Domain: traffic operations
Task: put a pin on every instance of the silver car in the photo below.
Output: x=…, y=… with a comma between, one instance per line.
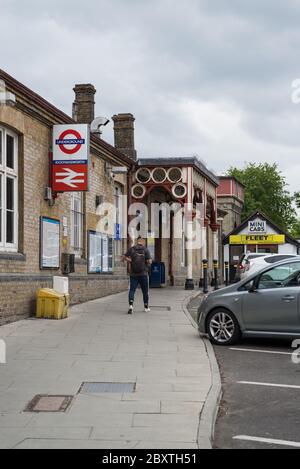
x=266, y=304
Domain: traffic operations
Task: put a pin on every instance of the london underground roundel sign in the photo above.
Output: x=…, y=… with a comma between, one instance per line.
x=70, y=145
x=70, y=142
x=70, y=158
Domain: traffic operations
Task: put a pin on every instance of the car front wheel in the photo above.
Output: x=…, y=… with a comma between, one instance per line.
x=222, y=327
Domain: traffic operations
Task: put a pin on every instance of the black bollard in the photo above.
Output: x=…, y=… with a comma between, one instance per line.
x=226, y=273
x=216, y=266
x=205, y=279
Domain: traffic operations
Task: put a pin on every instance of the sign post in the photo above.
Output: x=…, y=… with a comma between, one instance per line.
x=71, y=149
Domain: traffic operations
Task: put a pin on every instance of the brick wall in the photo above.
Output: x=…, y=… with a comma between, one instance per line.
x=18, y=294
x=20, y=274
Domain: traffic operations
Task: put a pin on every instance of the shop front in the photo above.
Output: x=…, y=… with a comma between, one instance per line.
x=257, y=234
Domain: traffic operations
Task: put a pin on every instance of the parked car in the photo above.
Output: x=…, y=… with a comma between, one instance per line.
x=266, y=304
x=255, y=264
x=244, y=261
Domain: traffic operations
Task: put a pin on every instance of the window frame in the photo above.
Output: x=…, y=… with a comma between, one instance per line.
x=9, y=173
x=287, y=265
x=109, y=262
x=118, y=204
x=255, y=281
x=77, y=250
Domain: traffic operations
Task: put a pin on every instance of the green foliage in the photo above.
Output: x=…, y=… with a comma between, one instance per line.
x=295, y=231
x=297, y=199
x=266, y=190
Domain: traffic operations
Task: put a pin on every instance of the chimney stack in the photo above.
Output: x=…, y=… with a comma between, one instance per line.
x=84, y=104
x=124, y=134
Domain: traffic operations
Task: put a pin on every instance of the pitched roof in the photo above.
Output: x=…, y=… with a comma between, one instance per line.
x=259, y=213
x=59, y=115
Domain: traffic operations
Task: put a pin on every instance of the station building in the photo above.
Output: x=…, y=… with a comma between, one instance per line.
x=186, y=182
x=230, y=193
x=27, y=205
x=230, y=201
x=182, y=181
x=26, y=125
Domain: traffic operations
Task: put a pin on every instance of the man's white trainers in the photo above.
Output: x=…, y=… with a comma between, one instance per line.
x=130, y=310
x=147, y=309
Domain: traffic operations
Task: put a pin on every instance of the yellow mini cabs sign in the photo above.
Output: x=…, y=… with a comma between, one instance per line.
x=257, y=239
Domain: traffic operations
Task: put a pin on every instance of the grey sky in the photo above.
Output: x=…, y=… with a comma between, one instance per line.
x=205, y=77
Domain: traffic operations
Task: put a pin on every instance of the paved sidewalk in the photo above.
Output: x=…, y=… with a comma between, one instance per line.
x=160, y=351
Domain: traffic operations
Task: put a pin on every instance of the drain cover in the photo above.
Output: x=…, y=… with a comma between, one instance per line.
x=45, y=403
x=106, y=387
x=161, y=308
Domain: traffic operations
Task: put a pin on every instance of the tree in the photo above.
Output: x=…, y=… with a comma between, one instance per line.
x=296, y=228
x=295, y=231
x=297, y=199
x=266, y=190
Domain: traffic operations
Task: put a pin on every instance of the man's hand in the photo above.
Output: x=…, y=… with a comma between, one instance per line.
x=127, y=259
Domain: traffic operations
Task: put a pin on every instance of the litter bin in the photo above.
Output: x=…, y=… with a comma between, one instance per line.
x=157, y=275
x=51, y=305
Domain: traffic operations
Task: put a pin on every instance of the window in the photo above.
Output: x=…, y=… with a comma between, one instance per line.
x=76, y=223
x=100, y=253
x=253, y=256
x=285, y=275
x=10, y=160
x=247, y=286
x=274, y=259
x=268, y=249
x=8, y=190
x=118, y=224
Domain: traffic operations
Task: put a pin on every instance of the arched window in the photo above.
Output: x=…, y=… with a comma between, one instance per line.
x=8, y=190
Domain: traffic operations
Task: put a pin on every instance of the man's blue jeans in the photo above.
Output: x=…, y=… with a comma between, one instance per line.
x=143, y=282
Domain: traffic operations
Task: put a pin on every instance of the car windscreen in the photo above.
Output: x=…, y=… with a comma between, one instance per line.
x=254, y=256
x=273, y=259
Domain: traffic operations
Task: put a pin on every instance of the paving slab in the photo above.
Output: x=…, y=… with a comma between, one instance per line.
x=39, y=443
x=161, y=352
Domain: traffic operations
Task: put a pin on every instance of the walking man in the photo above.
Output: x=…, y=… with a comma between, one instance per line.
x=139, y=260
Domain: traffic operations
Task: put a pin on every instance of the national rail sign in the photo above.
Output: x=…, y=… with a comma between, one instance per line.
x=69, y=178
x=71, y=148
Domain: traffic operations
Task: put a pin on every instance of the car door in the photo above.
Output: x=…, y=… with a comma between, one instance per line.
x=274, y=305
